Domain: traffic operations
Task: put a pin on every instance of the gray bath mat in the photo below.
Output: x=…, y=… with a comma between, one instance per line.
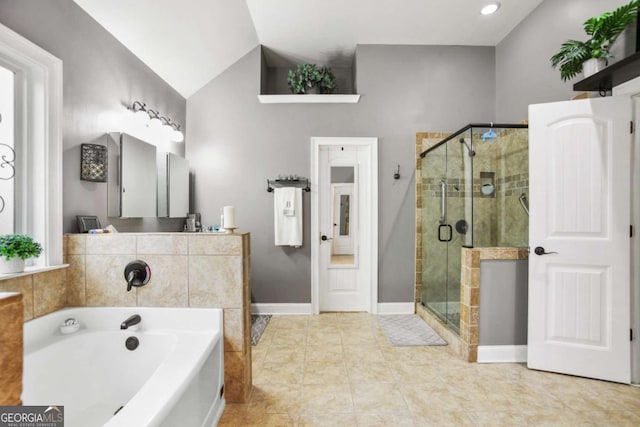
x=408, y=330
x=258, y=323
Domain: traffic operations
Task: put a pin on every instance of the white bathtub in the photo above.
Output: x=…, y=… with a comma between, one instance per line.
x=174, y=377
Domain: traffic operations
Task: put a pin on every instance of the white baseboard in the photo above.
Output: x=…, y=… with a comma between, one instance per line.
x=396, y=308
x=502, y=353
x=280, y=308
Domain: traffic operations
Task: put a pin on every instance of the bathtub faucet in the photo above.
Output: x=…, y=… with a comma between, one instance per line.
x=133, y=320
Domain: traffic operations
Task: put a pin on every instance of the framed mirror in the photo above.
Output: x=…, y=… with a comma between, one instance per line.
x=344, y=216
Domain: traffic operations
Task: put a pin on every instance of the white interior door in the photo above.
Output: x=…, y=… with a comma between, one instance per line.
x=580, y=216
x=344, y=279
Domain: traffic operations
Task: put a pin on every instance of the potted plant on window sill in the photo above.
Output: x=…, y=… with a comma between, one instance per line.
x=14, y=250
x=590, y=56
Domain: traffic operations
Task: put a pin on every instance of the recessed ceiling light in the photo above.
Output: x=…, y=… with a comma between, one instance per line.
x=490, y=8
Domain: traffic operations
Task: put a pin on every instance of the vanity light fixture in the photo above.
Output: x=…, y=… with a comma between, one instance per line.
x=490, y=8
x=153, y=119
x=177, y=135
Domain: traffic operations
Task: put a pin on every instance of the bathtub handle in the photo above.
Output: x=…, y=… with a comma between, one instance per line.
x=137, y=273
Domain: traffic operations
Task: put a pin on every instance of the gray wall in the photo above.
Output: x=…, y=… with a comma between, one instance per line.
x=523, y=71
x=101, y=77
x=236, y=144
x=503, y=302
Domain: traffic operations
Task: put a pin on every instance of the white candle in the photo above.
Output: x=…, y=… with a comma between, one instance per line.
x=229, y=214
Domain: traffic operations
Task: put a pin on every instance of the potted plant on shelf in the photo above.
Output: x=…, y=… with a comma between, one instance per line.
x=591, y=56
x=309, y=78
x=327, y=81
x=14, y=250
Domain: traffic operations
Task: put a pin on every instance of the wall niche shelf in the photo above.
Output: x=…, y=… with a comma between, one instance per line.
x=309, y=99
x=613, y=75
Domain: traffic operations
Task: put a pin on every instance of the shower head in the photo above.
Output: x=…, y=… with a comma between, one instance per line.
x=489, y=135
x=471, y=152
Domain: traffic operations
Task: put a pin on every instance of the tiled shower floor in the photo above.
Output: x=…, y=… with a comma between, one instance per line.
x=339, y=370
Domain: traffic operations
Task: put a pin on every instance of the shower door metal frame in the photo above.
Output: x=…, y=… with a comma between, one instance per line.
x=469, y=126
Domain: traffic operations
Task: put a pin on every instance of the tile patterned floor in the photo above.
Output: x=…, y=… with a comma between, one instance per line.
x=339, y=370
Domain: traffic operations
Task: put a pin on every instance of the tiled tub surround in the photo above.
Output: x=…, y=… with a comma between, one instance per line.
x=187, y=270
x=11, y=319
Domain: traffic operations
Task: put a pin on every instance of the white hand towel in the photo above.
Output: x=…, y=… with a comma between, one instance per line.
x=287, y=217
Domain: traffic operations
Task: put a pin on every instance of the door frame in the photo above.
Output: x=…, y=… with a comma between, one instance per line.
x=372, y=144
x=632, y=89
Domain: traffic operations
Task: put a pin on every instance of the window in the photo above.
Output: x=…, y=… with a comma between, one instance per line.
x=37, y=143
x=7, y=152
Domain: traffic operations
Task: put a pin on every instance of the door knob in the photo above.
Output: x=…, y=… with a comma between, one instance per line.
x=539, y=250
x=325, y=238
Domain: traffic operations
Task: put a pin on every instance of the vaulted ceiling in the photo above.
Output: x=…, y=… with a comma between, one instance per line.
x=190, y=42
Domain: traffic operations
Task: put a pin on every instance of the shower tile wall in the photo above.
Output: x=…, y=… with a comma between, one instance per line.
x=499, y=220
x=513, y=180
x=423, y=141
x=427, y=216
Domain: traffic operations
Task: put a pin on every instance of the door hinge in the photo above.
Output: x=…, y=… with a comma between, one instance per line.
x=630, y=334
x=631, y=231
x=630, y=127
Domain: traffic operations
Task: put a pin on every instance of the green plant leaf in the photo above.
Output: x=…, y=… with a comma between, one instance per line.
x=604, y=30
x=20, y=245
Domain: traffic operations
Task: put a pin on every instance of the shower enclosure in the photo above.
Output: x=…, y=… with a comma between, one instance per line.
x=475, y=186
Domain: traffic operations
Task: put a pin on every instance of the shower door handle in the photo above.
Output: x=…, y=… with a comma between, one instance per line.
x=443, y=201
x=446, y=227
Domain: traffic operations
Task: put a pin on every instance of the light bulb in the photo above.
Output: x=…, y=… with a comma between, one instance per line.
x=177, y=136
x=490, y=8
x=142, y=116
x=167, y=130
x=155, y=123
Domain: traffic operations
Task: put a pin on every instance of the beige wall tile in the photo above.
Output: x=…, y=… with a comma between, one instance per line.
x=76, y=244
x=76, y=293
x=168, y=286
x=233, y=329
x=215, y=281
x=11, y=318
x=105, y=284
x=213, y=244
x=11, y=351
x=24, y=285
x=111, y=244
x=49, y=292
x=162, y=244
x=234, y=376
x=474, y=297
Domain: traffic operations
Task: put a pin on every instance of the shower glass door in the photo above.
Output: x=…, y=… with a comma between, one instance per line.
x=446, y=225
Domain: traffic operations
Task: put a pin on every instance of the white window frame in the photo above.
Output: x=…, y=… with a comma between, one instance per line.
x=38, y=140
